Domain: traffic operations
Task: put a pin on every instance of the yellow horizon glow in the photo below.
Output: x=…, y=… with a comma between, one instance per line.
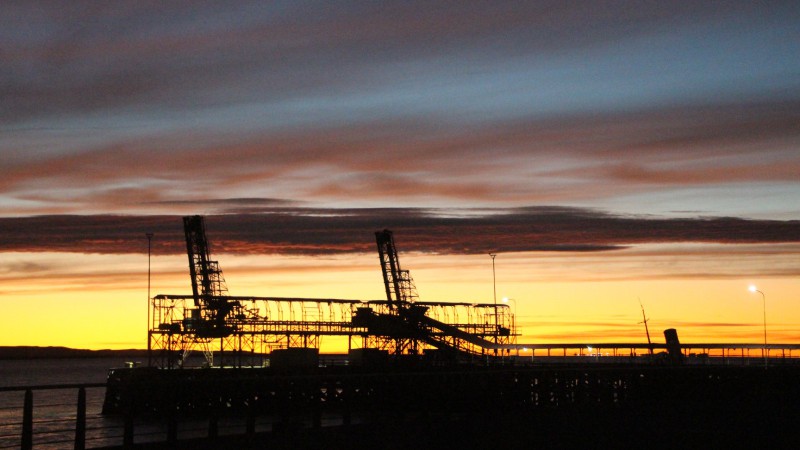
x=99, y=301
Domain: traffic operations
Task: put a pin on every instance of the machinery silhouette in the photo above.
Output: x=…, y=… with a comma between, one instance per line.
x=246, y=331
x=426, y=374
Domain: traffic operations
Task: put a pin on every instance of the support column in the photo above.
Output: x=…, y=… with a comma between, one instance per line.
x=27, y=421
x=80, y=420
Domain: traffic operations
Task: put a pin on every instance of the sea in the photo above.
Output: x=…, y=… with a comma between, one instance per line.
x=55, y=409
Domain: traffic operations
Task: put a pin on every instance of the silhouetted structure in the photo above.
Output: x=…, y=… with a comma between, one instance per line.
x=673, y=346
x=243, y=331
x=426, y=367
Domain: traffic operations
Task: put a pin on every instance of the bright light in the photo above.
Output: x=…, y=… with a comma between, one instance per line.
x=505, y=299
x=754, y=289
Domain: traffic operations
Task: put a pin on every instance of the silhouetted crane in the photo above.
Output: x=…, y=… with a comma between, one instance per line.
x=208, y=285
x=400, y=289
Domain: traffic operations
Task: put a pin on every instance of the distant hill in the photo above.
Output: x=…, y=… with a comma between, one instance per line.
x=27, y=352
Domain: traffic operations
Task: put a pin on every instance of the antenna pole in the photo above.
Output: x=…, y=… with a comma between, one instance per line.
x=149, y=244
x=494, y=291
x=644, y=321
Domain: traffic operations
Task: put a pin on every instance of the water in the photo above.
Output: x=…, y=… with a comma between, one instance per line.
x=54, y=410
x=56, y=371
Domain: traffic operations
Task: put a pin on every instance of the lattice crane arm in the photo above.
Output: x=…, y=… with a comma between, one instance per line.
x=208, y=285
x=400, y=289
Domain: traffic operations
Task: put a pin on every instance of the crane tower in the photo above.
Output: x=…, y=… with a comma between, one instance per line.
x=208, y=285
x=244, y=330
x=400, y=288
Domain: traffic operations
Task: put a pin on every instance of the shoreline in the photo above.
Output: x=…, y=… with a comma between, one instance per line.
x=57, y=352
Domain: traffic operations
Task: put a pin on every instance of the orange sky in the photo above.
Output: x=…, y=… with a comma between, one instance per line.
x=607, y=154
x=98, y=301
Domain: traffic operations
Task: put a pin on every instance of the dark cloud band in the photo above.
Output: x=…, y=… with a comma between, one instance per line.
x=309, y=231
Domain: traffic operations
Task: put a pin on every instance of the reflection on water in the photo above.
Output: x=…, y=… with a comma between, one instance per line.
x=56, y=371
x=54, y=410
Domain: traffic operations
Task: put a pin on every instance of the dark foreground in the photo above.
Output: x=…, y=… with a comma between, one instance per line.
x=701, y=428
x=535, y=407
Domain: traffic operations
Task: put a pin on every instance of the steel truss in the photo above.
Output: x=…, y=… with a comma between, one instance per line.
x=276, y=323
x=244, y=330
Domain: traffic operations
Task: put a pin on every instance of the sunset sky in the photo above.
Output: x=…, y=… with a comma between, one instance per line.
x=609, y=152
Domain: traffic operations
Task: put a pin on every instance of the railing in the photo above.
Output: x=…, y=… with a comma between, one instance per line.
x=59, y=418
x=735, y=353
x=67, y=415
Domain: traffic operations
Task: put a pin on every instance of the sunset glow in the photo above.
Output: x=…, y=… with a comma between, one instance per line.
x=610, y=155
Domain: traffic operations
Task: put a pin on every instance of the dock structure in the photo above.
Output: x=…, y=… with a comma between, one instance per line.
x=412, y=365
x=275, y=323
x=625, y=406
x=245, y=331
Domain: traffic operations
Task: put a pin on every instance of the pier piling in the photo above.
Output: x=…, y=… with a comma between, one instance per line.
x=80, y=420
x=27, y=421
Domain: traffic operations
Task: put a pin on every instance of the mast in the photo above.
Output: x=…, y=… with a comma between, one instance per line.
x=644, y=321
x=400, y=289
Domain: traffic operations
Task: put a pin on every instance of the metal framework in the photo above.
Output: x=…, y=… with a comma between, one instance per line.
x=408, y=327
x=243, y=331
x=401, y=292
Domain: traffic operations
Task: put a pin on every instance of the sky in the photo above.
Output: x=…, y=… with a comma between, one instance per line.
x=610, y=153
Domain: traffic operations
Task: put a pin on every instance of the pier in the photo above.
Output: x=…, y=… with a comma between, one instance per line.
x=571, y=404
x=246, y=371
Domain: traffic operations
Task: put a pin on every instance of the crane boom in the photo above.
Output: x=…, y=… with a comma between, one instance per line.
x=208, y=285
x=400, y=289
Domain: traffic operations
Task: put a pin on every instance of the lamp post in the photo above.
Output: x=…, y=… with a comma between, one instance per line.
x=149, y=245
x=525, y=349
x=494, y=290
x=753, y=288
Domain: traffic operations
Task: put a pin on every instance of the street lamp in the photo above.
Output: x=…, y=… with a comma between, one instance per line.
x=754, y=289
x=525, y=349
x=149, y=244
x=494, y=289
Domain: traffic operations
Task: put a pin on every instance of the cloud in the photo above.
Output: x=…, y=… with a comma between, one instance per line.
x=319, y=231
x=229, y=204
x=89, y=57
x=515, y=162
x=122, y=109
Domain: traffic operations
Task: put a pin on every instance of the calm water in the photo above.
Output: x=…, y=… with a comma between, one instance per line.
x=54, y=410
x=56, y=371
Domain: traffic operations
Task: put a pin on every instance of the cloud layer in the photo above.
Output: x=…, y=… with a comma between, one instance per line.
x=666, y=132
x=635, y=107
x=308, y=231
